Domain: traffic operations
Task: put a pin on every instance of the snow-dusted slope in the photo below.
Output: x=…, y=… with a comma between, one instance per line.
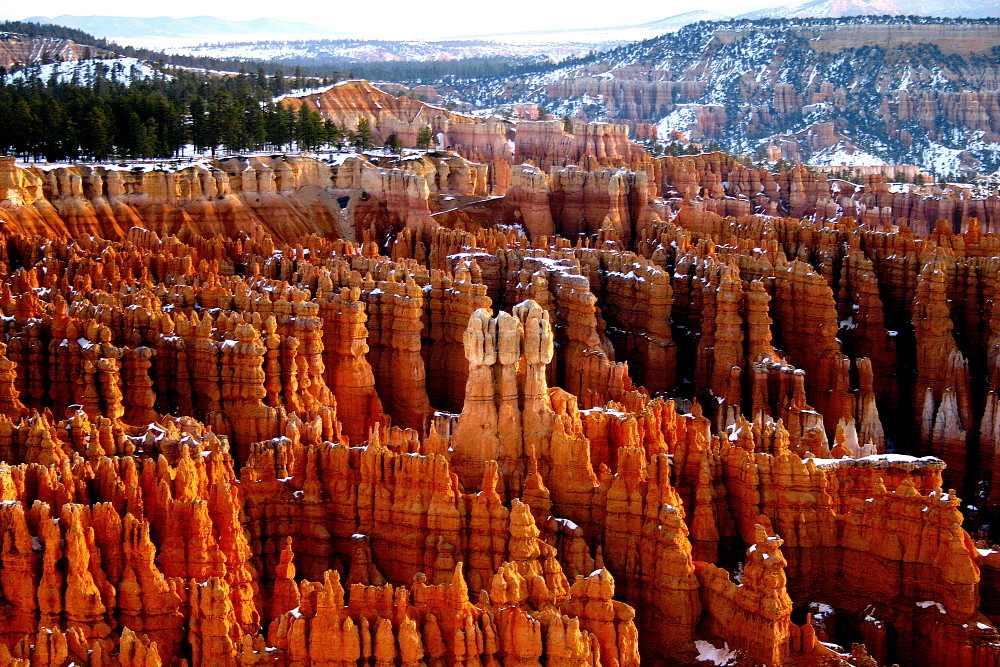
x=841, y=92
x=84, y=72
x=839, y=155
x=974, y=9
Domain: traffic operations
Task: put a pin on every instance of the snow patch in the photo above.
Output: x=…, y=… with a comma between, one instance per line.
x=840, y=155
x=927, y=604
x=821, y=608
x=682, y=119
x=941, y=160
x=717, y=656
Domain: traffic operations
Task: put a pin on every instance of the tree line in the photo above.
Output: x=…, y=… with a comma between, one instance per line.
x=160, y=118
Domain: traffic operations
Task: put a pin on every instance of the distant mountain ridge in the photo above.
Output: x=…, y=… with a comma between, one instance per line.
x=556, y=45
x=195, y=27
x=973, y=9
x=614, y=33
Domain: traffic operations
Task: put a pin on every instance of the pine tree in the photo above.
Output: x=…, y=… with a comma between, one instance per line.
x=24, y=128
x=256, y=130
x=363, y=136
x=58, y=133
x=146, y=142
x=278, y=128
x=128, y=137
x=392, y=143
x=425, y=138
x=309, y=129
x=95, y=140
x=169, y=121
x=278, y=85
x=232, y=124
x=332, y=134
x=199, y=124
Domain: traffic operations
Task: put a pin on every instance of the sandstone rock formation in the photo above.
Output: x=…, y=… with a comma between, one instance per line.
x=243, y=423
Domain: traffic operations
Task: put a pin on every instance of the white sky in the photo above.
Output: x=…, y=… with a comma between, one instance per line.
x=412, y=18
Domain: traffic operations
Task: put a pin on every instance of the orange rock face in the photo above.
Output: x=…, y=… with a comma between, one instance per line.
x=273, y=411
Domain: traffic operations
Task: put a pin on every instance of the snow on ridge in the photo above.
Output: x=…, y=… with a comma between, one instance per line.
x=118, y=70
x=880, y=460
x=136, y=166
x=189, y=159
x=306, y=92
x=303, y=92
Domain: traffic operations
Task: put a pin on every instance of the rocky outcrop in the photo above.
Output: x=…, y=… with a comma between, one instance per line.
x=589, y=146
x=349, y=102
x=18, y=49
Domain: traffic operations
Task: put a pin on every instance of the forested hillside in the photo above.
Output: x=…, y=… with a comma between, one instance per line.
x=156, y=118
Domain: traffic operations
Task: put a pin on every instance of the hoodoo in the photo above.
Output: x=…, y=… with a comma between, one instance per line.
x=530, y=395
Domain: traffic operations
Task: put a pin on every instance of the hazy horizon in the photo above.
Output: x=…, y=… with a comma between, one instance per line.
x=397, y=19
